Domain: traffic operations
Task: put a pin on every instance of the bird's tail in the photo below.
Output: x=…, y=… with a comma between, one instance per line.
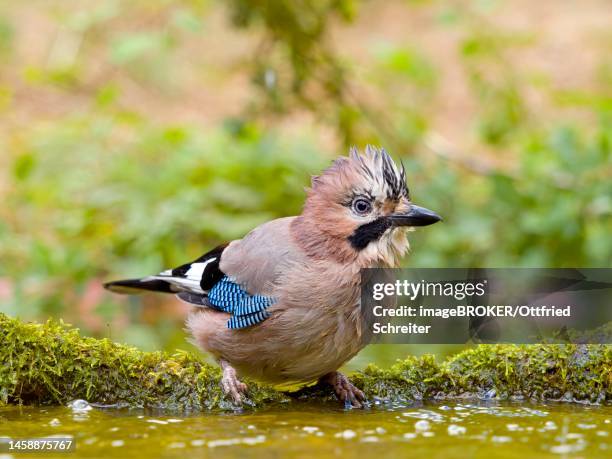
x=135, y=286
x=196, y=278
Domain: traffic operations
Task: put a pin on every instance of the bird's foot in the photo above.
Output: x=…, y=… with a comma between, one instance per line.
x=344, y=389
x=230, y=383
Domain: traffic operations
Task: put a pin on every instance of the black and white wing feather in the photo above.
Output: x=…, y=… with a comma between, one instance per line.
x=203, y=284
x=195, y=278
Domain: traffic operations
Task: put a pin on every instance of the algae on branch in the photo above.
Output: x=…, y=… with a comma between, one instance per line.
x=52, y=364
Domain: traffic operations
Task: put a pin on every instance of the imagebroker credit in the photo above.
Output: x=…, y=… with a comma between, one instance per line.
x=474, y=311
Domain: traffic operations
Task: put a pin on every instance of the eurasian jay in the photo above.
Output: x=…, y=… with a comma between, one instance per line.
x=282, y=304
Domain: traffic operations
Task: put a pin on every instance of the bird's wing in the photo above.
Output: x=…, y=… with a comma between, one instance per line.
x=200, y=275
x=237, y=278
x=258, y=260
x=245, y=273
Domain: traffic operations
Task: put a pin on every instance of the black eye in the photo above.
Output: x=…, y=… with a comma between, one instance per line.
x=362, y=206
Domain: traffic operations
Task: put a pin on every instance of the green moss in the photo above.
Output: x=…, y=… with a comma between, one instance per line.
x=51, y=364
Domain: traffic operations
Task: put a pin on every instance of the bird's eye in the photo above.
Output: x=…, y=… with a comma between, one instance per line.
x=362, y=206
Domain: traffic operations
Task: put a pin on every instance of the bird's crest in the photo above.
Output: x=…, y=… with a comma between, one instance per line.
x=377, y=165
x=378, y=172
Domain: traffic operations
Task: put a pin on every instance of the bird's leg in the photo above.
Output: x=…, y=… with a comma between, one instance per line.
x=230, y=384
x=344, y=389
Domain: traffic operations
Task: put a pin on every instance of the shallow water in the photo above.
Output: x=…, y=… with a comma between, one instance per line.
x=443, y=430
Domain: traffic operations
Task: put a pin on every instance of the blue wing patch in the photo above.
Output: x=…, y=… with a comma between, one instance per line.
x=246, y=310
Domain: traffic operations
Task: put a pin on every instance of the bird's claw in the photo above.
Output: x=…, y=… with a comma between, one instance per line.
x=231, y=385
x=345, y=390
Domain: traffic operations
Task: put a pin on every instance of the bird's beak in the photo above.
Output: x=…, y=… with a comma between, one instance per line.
x=416, y=216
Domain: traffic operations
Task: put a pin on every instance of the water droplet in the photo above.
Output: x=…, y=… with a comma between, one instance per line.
x=500, y=439
x=254, y=440
x=566, y=448
x=157, y=421
x=79, y=405
x=223, y=442
x=55, y=422
x=369, y=439
x=347, y=434
x=454, y=429
x=422, y=425
x=310, y=429
x=586, y=426
x=117, y=443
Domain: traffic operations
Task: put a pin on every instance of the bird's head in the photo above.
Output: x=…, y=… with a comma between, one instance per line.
x=359, y=209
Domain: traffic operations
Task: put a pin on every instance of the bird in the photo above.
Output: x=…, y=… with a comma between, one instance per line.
x=282, y=304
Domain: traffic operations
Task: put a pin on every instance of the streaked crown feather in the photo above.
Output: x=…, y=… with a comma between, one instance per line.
x=373, y=169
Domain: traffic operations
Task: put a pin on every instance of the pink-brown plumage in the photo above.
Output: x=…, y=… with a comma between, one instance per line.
x=314, y=325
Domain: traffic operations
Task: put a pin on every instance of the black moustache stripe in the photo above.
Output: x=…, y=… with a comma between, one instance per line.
x=369, y=232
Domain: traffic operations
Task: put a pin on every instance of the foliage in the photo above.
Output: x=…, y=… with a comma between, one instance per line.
x=552, y=210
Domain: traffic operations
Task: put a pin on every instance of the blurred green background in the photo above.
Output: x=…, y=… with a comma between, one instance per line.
x=137, y=135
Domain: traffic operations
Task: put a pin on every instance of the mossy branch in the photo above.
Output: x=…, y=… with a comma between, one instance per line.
x=52, y=364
